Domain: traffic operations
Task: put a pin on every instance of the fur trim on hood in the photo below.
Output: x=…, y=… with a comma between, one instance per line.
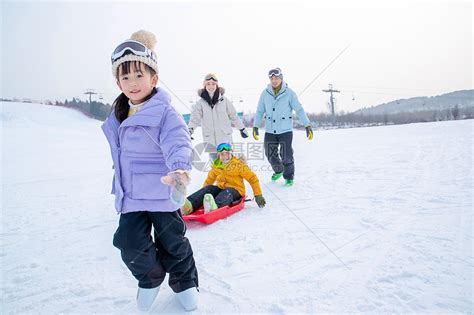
x=221, y=91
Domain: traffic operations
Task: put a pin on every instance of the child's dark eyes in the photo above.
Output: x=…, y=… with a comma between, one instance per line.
x=138, y=75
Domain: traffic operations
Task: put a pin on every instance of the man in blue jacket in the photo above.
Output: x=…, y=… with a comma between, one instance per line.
x=277, y=102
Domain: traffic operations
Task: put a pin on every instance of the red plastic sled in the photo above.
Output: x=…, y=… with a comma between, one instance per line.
x=213, y=216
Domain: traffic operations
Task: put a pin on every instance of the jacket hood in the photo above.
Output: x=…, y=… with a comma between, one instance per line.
x=241, y=157
x=283, y=88
x=151, y=112
x=221, y=91
x=236, y=158
x=158, y=99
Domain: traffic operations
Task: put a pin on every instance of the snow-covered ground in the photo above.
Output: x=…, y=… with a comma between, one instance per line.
x=379, y=220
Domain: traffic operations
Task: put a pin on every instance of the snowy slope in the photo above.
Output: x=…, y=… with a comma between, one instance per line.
x=379, y=220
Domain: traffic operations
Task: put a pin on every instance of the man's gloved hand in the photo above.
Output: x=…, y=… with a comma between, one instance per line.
x=244, y=133
x=178, y=180
x=260, y=201
x=255, y=133
x=309, y=132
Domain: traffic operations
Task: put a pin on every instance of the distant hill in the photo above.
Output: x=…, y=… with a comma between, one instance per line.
x=464, y=98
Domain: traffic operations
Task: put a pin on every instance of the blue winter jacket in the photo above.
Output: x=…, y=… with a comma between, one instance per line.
x=145, y=147
x=279, y=110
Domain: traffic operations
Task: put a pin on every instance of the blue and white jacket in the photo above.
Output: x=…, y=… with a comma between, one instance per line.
x=278, y=110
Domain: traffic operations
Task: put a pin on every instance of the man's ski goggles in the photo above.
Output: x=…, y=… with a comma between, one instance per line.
x=224, y=147
x=133, y=47
x=210, y=76
x=274, y=72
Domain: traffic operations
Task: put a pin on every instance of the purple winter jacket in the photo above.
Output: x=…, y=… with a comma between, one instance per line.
x=145, y=147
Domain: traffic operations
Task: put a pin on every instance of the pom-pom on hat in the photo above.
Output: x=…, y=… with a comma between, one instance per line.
x=140, y=47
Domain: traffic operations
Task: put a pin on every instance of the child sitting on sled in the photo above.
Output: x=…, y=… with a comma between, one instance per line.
x=227, y=173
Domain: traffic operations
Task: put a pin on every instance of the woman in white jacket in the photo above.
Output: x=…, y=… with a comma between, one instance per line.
x=216, y=115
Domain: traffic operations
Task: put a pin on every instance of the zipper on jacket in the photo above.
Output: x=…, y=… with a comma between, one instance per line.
x=214, y=126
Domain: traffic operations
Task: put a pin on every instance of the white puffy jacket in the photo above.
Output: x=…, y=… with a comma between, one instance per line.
x=217, y=121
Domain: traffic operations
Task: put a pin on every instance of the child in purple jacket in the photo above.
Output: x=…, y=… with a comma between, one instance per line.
x=152, y=154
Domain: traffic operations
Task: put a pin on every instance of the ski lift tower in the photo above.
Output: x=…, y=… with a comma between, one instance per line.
x=331, y=99
x=90, y=92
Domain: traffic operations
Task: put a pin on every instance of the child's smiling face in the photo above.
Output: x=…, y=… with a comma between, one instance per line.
x=137, y=84
x=225, y=156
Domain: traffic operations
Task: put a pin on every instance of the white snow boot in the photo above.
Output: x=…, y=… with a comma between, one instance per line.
x=145, y=298
x=188, y=299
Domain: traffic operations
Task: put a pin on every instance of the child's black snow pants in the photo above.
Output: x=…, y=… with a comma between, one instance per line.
x=150, y=259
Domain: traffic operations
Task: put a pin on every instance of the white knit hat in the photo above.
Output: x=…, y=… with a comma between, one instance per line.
x=147, y=39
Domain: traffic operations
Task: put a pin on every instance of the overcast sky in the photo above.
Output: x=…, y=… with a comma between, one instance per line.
x=57, y=50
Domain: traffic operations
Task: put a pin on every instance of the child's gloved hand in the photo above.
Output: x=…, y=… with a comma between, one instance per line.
x=178, y=180
x=260, y=201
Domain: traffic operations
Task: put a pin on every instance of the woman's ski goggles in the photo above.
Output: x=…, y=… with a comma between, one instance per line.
x=210, y=76
x=132, y=47
x=224, y=147
x=274, y=72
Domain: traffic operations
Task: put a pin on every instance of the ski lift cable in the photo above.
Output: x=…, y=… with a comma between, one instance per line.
x=402, y=94
x=322, y=71
x=349, y=85
x=394, y=94
x=177, y=97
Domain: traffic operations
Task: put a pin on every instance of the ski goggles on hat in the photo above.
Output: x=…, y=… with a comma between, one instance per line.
x=132, y=47
x=210, y=76
x=224, y=147
x=274, y=72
